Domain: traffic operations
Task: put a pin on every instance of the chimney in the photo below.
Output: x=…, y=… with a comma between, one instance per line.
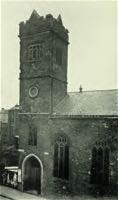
x=80, y=89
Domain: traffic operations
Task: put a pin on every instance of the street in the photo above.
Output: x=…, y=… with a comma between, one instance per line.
x=13, y=194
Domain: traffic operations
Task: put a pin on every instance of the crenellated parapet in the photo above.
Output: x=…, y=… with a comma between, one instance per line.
x=39, y=24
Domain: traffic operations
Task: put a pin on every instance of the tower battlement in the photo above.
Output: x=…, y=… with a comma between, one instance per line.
x=41, y=24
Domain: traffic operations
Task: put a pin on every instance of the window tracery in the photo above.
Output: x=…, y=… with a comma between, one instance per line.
x=100, y=164
x=34, y=52
x=61, y=158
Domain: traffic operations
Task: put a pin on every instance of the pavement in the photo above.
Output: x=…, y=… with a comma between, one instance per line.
x=14, y=194
x=3, y=198
x=7, y=193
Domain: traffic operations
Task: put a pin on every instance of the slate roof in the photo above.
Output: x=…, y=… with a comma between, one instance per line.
x=101, y=102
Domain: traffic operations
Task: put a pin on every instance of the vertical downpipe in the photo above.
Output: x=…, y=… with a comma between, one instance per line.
x=51, y=95
x=53, y=45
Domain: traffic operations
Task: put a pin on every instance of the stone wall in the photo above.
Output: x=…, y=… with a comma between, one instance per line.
x=82, y=134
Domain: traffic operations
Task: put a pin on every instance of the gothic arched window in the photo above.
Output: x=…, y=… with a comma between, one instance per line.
x=100, y=165
x=61, y=158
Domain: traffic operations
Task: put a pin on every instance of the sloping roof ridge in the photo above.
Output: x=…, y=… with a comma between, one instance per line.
x=61, y=100
x=93, y=91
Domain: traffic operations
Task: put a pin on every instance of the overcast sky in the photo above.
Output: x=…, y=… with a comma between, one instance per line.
x=92, y=49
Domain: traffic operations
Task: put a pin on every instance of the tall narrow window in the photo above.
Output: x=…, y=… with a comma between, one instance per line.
x=35, y=136
x=56, y=160
x=58, y=56
x=30, y=53
x=66, y=161
x=106, y=166
x=93, y=166
x=61, y=159
x=32, y=136
x=100, y=166
x=35, y=52
x=61, y=162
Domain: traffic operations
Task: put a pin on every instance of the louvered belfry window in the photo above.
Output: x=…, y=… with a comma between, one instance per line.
x=34, y=52
x=100, y=165
x=61, y=158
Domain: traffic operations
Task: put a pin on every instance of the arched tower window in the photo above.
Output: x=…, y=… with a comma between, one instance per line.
x=61, y=158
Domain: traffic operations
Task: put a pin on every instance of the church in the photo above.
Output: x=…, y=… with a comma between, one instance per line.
x=67, y=142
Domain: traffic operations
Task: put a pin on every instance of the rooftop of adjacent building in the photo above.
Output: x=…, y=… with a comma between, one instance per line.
x=5, y=112
x=4, y=115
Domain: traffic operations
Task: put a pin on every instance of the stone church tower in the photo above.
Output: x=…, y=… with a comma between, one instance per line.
x=43, y=63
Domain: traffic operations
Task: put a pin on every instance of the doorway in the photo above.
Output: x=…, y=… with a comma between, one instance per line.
x=32, y=174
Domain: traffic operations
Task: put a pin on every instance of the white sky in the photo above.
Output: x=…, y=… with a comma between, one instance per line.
x=92, y=50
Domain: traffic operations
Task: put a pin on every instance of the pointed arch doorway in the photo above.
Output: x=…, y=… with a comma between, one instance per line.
x=32, y=174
